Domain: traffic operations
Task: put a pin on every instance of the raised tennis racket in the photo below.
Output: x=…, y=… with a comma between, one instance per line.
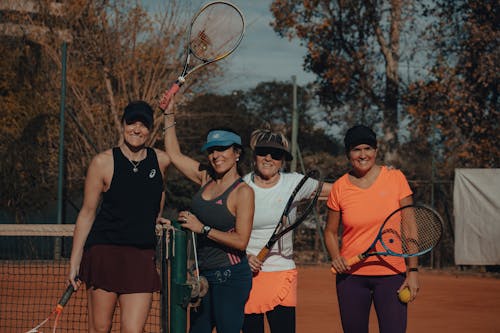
x=409, y=231
x=215, y=32
x=301, y=209
x=57, y=311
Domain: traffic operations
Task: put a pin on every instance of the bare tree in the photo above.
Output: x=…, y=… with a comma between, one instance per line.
x=118, y=51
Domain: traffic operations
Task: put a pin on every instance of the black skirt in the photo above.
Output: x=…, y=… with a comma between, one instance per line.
x=120, y=269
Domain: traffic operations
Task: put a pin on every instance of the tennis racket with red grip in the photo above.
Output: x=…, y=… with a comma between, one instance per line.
x=215, y=32
x=56, y=313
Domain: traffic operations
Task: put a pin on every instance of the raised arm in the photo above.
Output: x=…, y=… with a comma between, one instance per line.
x=163, y=162
x=185, y=164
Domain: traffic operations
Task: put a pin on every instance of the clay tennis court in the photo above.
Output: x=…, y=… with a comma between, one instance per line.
x=447, y=302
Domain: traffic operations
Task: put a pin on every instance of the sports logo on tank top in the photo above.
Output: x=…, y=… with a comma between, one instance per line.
x=152, y=173
x=218, y=202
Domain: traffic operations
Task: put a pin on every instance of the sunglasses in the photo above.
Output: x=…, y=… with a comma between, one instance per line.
x=219, y=149
x=276, y=154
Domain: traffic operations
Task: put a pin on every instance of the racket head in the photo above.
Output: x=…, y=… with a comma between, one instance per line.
x=411, y=231
x=297, y=211
x=216, y=31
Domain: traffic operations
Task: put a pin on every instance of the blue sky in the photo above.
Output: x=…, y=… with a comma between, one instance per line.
x=262, y=55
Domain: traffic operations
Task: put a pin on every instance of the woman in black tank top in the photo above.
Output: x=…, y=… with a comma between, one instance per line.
x=113, y=249
x=221, y=215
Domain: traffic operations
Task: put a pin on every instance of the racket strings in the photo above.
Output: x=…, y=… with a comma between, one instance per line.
x=412, y=231
x=421, y=230
x=216, y=31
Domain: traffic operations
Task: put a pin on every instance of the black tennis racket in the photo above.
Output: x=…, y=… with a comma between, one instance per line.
x=215, y=32
x=409, y=231
x=56, y=313
x=303, y=209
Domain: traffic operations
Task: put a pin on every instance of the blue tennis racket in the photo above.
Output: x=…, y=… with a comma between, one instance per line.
x=409, y=231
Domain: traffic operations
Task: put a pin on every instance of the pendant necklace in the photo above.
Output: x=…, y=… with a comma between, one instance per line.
x=135, y=165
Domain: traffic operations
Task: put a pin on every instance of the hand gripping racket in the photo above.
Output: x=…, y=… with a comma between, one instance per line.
x=57, y=311
x=303, y=209
x=215, y=32
x=409, y=231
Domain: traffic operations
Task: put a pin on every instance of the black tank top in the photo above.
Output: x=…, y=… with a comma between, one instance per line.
x=215, y=214
x=129, y=207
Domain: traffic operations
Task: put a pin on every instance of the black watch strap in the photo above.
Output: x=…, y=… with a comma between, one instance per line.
x=206, y=229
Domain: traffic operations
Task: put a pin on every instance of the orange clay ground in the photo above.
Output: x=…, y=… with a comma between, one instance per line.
x=447, y=302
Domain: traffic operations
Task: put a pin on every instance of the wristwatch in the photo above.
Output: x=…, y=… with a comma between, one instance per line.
x=205, y=230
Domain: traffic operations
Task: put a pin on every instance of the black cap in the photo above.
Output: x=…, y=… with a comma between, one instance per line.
x=139, y=110
x=358, y=135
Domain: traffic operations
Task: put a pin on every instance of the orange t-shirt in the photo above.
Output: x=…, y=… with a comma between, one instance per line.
x=362, y=213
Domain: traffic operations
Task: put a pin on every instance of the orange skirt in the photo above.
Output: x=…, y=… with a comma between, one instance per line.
x=270, y=289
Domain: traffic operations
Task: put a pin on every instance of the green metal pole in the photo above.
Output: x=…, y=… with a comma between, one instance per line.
x=165, y=279
x=60, y=178
x=180, y=291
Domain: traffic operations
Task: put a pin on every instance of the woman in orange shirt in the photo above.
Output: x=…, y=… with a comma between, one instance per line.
x=361, y=200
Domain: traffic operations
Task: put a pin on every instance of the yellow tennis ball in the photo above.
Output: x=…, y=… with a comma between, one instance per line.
x=404, y=295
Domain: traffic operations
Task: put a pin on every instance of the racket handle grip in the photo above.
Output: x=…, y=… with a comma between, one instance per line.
x=263, y=254
x=65, y=297
x=351, y=261
x=167, y=96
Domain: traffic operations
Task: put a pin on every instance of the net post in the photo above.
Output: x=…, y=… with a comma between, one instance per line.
x=179, y=291
x=164, y=273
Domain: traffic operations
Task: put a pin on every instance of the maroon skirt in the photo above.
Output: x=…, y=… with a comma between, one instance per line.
x=120, y=269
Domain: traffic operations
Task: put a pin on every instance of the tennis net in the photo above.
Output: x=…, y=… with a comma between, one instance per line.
x=34, y=263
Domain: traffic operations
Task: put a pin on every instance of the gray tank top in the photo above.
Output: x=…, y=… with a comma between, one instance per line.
x=215, y=214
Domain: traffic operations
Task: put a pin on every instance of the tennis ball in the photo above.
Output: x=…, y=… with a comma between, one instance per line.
x=404, y=295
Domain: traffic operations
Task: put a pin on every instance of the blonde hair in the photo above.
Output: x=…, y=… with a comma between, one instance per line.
x=260, y=136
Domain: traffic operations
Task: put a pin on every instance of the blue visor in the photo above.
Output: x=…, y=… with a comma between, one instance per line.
x=221, y=138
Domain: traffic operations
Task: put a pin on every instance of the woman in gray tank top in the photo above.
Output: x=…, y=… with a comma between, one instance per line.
x=221, y=215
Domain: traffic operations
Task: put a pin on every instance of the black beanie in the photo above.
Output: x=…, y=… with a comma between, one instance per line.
x=358, y=135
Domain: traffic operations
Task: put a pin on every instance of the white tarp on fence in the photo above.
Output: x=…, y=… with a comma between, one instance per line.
x=476, y=206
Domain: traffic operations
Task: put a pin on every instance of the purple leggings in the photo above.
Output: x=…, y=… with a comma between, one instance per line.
x=355, y=295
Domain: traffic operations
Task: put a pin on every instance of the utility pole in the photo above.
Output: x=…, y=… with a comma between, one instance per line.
x=295, y=125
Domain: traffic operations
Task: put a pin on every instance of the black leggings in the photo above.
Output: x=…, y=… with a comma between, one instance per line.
x=281, y=319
